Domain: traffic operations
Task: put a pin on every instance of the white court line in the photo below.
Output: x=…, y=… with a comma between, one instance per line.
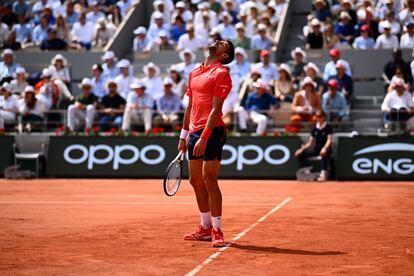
x=237, y=237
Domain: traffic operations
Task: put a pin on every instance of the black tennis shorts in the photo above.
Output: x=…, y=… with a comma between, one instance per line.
x=215, y=143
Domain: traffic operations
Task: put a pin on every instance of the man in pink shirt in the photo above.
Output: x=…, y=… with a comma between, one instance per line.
x=208, y=86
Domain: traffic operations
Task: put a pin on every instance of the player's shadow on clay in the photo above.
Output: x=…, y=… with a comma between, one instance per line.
x=276, y=250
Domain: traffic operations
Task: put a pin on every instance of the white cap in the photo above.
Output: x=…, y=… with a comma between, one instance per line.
x=168, y=81
x=344, y=14
x=46, y=73
x=158, y=15
x=7, y=52
x=239, y=25
x=86, y=82
x=7, y=86
x=398, y=82
x=285, y=68
x=386, y=24
x=180, y=4
x=261, y=84
x=175, y=68
x=108, y=55
x=241, y=51
x=137, y=84
x=140, y=30
x=227, y=14
x=20, y=70
x=315, y=22
x=309, y=80
x=151, y=65
x=261, y=26
x=123, y=63
x=312, y=66
x=28, y=88
x=162, y=33
x=187, y=51
x=298, y=50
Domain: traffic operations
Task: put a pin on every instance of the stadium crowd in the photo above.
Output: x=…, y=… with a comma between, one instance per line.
x=115, y=97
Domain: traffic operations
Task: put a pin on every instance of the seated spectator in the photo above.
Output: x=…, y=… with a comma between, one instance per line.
x=95, y=14
x=226, y=28
x=141, y=42
x=45, y=80
x=231, y=103
x=62, y=29
x=163, y=43
x=241, y=39
x=268, y=70
x=202, y=30
x=70, y=14
x=249, y=25
x=312, y=71
x=138, y=108
x=204, y=9
x=407, y=14
x=319, y=144
x=261, y=40
x=110, y=70
x=305, y=102
x=31, y=110
x=314, y=40
x=114, y=15
x=297, y=65
x=407, y=39
x=330, y=39
x=103, y=33
x=56, y=97
x=52, y=42
x=241, y=64
x=59, y=69
x=391, y=66
x=181, y=10
x=40, y=31
x=82, y=112
x=168, y=106
x=19, y=83
x=330, y=67
x=230, y=7
x=257, y=107
x=177, y=29
x=364, y=41
x=189, y=40
x=345, y=29
x=399, y=75
x=348, y=7
x=179, y=87
x=4, y=33
x=11, y=42
x=395, y=25
x=156, y=27
x=152, y=80
x=321, y=11
x=20, y=7
x=112, y=107
x=98, y=81
x=38, y=8
x=384, y=8
x=187, y=65
x=125, y=78
x=23, y=31
x=345, y=82
x=7, y=66
x=387, y=40
x=8, y=17
x=284, y=85
x=159, y=6
x=334, y=103
x=398, y=105
x=9, y=106
x=82, y=32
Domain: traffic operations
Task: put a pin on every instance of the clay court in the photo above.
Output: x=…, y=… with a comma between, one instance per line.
x=109, y=227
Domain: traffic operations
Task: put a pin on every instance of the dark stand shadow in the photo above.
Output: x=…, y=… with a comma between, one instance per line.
x=276, y=250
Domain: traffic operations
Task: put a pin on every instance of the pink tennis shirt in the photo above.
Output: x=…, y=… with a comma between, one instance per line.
x=203, y=84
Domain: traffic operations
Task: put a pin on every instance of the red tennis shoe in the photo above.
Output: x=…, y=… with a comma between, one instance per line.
x=218, y=238
x=200, y=234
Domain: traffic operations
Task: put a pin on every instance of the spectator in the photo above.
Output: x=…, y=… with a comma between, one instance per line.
x=20, y=7
x=398, y=105
x=9, y=106
x=314, y=40
x=258, y=105
x=45, y=80
x=187, y=65
x=204, y=10
x=312, y=71
x=7, y=66
x=156, y=27
x=387, y=40
x=334, y=103
x=103, y=33
x=139, y=107
x=62, y=29
x=31, y=110
x=189, y=40
x=181, y=10
x=407, y=14
x=305, y=102
x=395, y=25
x=348, y=7
x=9, y=18
x=110, y=70
x=52, y=42
x=230, y=8
x=344, y=81
x=84, y=108
x=398, y=75
x=386, y=7
x=38, y=8
x=23, y=30
x=58, y=7
x=330, y=39
x=364, y=41
x=59, y=69
x=231, y=103
x=284, y=85
x=163, y=43
x=140, y=41
x=95, y=14
x=391, y=67
x=319, y=144
x=70, y=14
x=261, y=41
x=124, y=5
x=11, y=42
x=407, y=39
x=225, y=28
x=49, y=15
x=40, y=31
x=168, y=106
x=125, y=78
x=4, y=33
x=56, y=97
x=321, y=11
x=82, y=32
x=268, y=70
x=114, y=16
x=98, y=81
x=330, y=67
x=248, y=25
x=241, y=65
x=345, y=29
x=297, y=65
x=177, y=29
x=112, y=108
x=19, y=82
x=152, y=80
x=203, y=29
x=241, y=39
x=179, y=86
x=160, y=7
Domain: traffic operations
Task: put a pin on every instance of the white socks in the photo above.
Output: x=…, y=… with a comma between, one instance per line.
x=216, y=222
x=205, y=220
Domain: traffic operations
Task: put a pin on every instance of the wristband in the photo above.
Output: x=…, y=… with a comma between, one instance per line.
x=183, y=134
x=206, y=133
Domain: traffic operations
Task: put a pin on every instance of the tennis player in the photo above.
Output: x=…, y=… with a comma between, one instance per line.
x=208, y=86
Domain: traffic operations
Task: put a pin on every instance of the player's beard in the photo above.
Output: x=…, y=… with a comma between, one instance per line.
x=212, y=48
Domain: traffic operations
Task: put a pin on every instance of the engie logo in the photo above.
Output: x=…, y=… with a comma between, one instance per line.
x=403, y=166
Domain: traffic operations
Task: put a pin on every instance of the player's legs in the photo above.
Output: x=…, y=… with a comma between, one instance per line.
x=211, y=170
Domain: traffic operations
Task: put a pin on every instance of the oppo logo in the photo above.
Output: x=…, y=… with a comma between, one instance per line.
x=403, y=166
x=112, y=155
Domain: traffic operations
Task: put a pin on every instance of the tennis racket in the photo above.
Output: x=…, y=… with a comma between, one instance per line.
x=172, y=177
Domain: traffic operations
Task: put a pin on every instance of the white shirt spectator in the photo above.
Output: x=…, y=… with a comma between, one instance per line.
x=143, y=101
x=83, y=33
x=202, y=32
x=93, y=17
x=392, y=100
x=395, y=27
x=154, y=30
x=12, y=103
x=330, y=69
x=124, y=6
x=384, y=42
x=242, y=70
x=58, y=9
x=227, y=32
x=154, y=86
x=38, y=109
x=185, y=42
x=185, y=69
x=268, y=73
x=406, y=15
x=198, y=17
x=407, y=41
x=123, y=84
x=39, y=34
x=63, y=73
x=4, y=32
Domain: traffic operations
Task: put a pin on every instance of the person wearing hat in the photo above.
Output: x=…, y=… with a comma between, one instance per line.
x=110, y=70
x=387, y=40
x=178, y=28
x=345, y=29
x=83, y=32
x=258, y=104
x=407, y=39
x=188, y=62
x=179, y=86
x=364, y=41
x=203, y=10
x=334, y=103
x=348, y=7
x=305, y=102
x=103, y=33
x=395, y=24
x=159, y=6
x=59, y=68
x=312, y=71
x=226, y=28
x=31, y=110
x=345, y=83
x=297, y=63
x=398, y=105
x=138, y=108
x=40, y=31
x=230, y=7
x=168, y=106
x=189, y=40
x=182, y=10
x=284, y=85
x=156, y=27
x=98, y=81
x=202, y=30
x=152, y=80
x=45, y=80
x=111, y=107
x=407, y=13
x=261, y=40
x=330, y=67
x=125, y=78
x=321, y=11
x=95, y=14
x=397, y=66
x=241, y=39
x=9, y=106
x=268, y=70
x=314, y=39
x=20, y=80
x=163, y=43
x=84, y=109
x=8, y=66
x=141, y=42
x=241, y=65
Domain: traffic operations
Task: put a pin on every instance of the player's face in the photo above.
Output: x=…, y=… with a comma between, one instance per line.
x=219, y=47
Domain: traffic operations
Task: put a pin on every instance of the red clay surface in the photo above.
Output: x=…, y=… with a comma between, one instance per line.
x=110, y=227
